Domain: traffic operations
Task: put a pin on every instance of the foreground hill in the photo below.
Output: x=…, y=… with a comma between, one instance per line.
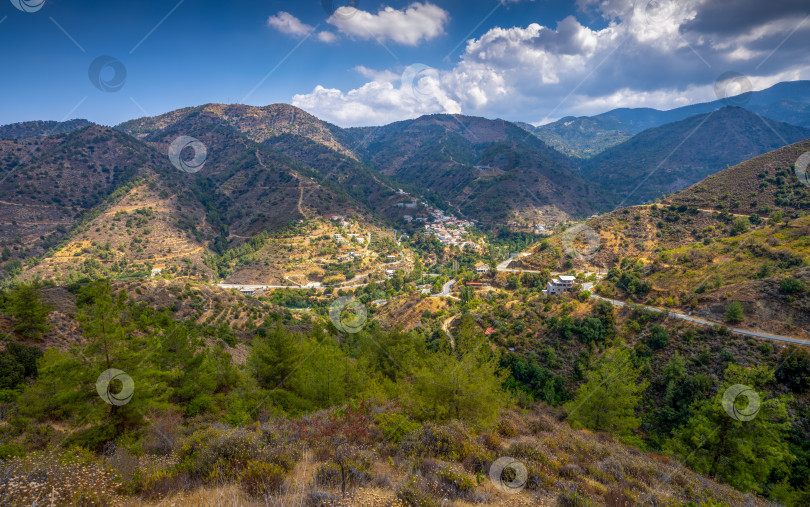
x=672, y=157
x=586, y=136
x=235, y=396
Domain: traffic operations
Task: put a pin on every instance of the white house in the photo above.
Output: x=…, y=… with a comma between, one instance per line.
x=481, y=268
x=559, y=285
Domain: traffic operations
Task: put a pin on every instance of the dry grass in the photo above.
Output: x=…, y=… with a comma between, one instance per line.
x=441, y=465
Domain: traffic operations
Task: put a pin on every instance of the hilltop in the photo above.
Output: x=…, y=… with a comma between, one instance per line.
x=735, y=236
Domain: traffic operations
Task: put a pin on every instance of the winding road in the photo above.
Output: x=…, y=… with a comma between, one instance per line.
x=766, y=336
x=446, y=288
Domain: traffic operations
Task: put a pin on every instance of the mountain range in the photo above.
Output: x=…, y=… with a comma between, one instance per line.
x=269, y=167
x=586, y=136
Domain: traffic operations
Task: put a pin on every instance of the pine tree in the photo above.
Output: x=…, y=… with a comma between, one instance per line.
x=608, y=399
x=744, y=453
x=464, y=384
x=274, y=358
x=24, y=305
x=735, y=312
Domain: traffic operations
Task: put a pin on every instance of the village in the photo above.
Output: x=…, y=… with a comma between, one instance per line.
x=448, y=229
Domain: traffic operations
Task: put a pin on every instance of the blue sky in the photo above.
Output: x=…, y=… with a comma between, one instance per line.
x=376, y=62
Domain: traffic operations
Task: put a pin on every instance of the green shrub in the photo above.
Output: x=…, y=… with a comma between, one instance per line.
x=432, y=441
x=791, y=286
x=413, y=494
x=10, y=451
x=261, y=479
x=356, y=471
x=573, y=499
x=659, y=337
x=460, y=484
x=794, y=371
x=734, y=312
x=394, y=427
x=17, y=363
x=214, y=455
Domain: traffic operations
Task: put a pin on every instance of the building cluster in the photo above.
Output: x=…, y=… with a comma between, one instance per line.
x=447, y=228
x=340, y=220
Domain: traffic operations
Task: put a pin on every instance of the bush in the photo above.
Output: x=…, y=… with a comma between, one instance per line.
x=394, y=427
x=795, y=369
x=573, y=499
x=212, y=455
x=741, y=225
x=432, y=441
x=734, y=312
x=791, y=286
x=413, y=494
x=459, y=485
x=17, y=363
x=356, y=471
x=262, y=479
x=659, y=337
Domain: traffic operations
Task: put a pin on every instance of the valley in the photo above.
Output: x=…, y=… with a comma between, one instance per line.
x=409, y=302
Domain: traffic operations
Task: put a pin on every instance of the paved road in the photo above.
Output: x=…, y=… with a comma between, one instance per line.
x=446, y=288
x=239, y=286
x=446, y=329
x=681, y=316
x=502, y=266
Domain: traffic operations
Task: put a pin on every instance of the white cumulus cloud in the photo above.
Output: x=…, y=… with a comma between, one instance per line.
x=662, y=54
x=419, y=92
x=286, y=23
x=409, y=26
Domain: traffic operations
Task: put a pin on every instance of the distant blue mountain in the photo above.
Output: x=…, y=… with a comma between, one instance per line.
x=587, y=136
